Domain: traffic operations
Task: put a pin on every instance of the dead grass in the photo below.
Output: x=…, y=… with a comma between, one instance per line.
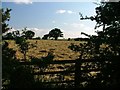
x=59, y=48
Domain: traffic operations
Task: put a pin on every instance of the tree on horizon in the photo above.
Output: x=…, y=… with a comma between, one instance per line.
x=55, y=33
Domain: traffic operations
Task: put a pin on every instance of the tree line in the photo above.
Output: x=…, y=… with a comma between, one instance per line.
x=29, y=34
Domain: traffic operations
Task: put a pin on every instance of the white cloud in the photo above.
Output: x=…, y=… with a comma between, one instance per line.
x=39, y=32
x=71, y=34
x=84, y=28
x=70, y=12
x=23, y=1
x=74, y=30
x=61, y=11
x=11, y=30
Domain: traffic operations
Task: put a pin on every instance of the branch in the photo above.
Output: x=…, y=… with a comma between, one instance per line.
x=85, y=34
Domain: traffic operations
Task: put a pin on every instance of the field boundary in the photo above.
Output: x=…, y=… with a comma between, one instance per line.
x=79, y=69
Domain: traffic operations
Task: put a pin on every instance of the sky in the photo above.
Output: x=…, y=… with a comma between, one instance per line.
x=41, y=17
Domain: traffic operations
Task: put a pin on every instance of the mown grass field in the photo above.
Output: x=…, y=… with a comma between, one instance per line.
x=60, y=51
x=59, y=48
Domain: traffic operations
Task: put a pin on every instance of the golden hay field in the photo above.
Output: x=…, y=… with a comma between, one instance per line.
x=59, y=48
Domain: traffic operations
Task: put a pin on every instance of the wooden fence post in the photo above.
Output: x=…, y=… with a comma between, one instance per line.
x=78, y=71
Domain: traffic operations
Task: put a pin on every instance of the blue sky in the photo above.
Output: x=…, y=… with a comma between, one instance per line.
x=41, y=17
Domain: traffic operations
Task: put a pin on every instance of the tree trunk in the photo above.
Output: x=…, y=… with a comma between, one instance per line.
x=56, y=38
x=24, y=55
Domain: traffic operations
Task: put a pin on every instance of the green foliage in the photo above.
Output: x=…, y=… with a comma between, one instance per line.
x=68, y=39
x=44, y=61
x=22, y=77
x=16, y=34
x=27, y=34
x=5, y=18
x=23, y=45
x=13, y=74
x=8, y=36
x=105, y=46
x=11, y=35
x=22, y=42
x=9, y=62
x=55, y=33
x=108, y=16
x=45, y=37
x=107, y=13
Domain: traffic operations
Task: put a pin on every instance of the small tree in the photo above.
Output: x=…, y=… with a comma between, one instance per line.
x=16, y=34
x=24, y=45
x=55, y=33
x=9, y=62
x=27, y=34
x=8, y=36
x=45, y=37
